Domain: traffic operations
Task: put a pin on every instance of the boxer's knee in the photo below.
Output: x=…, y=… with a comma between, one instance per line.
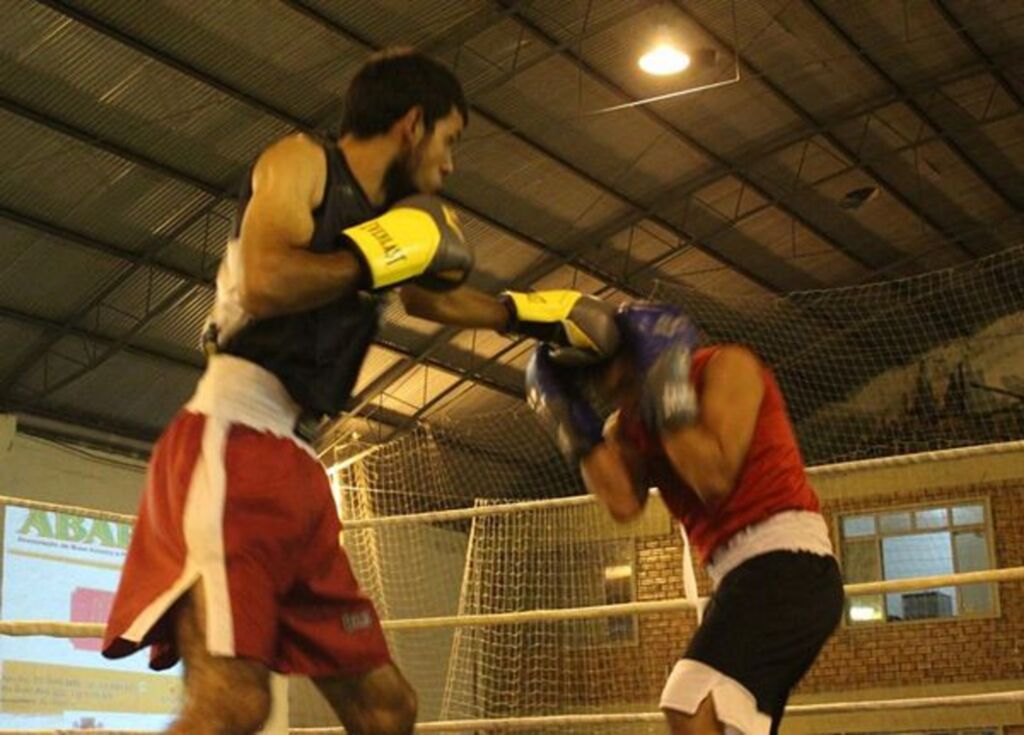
x=702, y=722
x=380, y=702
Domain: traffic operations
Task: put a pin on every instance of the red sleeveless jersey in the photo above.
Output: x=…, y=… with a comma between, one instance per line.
x=771, y=481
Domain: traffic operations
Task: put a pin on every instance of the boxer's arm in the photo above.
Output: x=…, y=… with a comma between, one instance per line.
x=613, y=473
x=583, y=325
x=709, y=454
x=279, y=274
x=464, y=306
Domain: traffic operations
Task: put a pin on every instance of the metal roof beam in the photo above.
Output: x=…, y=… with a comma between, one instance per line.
x=94, y=140
x=41, y=322
x=686, y=189
x=762, y=150
x=815, y=125
x=849, y=249
x=106, y=29
x=894, y=190
x=993, y=68
x=89, y=430
x=952, y=141
x=92, y=244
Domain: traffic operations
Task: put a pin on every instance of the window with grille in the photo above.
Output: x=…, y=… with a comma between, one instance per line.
x=918, y=541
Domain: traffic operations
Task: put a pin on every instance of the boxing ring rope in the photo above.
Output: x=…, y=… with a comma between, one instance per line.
x=59, y=629
x=547, y=504
x=88, y=630
x=510, y=724
x=526, y=723
x=831, y=470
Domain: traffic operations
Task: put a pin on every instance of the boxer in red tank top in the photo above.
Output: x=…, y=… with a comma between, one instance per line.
x=708, y=428
x=771, y=477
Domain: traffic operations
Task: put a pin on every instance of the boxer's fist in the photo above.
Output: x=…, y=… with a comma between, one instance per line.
x=417, y=239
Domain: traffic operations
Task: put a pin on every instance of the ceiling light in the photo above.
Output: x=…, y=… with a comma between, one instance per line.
x=664, y=59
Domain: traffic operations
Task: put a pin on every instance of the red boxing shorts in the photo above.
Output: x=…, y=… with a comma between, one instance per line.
x=249, y=514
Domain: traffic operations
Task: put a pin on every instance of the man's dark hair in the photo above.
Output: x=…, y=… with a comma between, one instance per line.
x=393, y=82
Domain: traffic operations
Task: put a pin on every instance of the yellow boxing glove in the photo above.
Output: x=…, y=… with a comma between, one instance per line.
x=417, y=239
x=581, y=329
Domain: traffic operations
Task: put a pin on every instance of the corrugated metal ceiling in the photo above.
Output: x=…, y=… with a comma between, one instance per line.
x=126, y=127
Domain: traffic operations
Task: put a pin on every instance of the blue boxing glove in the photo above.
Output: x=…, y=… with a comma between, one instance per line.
x=661, y=339
x=565, y=413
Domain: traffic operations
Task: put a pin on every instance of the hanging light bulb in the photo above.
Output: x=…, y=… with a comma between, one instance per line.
x=664, y=59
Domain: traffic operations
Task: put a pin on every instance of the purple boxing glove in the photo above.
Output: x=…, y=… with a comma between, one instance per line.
x=662, y=340
x=565, y=413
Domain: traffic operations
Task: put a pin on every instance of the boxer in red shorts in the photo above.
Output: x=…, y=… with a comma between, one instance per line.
x=235, y=565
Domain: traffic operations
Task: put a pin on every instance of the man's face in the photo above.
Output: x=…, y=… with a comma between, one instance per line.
x=426, y=159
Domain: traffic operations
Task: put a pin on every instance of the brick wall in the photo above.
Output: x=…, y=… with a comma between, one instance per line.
x=873, y=655
x=936, y=651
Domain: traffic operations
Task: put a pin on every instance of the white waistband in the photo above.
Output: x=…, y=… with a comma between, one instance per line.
x=242, y=392
x=792, y=530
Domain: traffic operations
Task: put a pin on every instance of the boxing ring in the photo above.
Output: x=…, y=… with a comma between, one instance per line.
x=480, y=634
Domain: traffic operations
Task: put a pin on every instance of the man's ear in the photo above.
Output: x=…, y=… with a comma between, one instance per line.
x=410, y=126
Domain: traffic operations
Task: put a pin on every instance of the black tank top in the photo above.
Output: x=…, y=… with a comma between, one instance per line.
x=317, y=354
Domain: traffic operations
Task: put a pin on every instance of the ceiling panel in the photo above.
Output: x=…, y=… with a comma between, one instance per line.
x=43, y=275
x=378, y=359
x=257, y=46
x=18, y=340
x=74, y=72
x=92, y=190
x=696, y=269
x=128, y=125
x=127, y=387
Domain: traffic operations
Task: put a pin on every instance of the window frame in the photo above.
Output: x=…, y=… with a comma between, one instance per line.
x=986, y=526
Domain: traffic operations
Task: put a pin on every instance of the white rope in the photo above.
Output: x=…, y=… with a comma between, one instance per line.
x=460, y=514
x=103, y=515
x=526, y=723
x=57, y=629
x=961, y=700
x=902, y=460
x=51, y=629
x=530, y=505
x=496, y=509
x=1009, y=574
x=542, y=616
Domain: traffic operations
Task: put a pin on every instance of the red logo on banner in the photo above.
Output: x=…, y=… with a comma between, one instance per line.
x=90, y=606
